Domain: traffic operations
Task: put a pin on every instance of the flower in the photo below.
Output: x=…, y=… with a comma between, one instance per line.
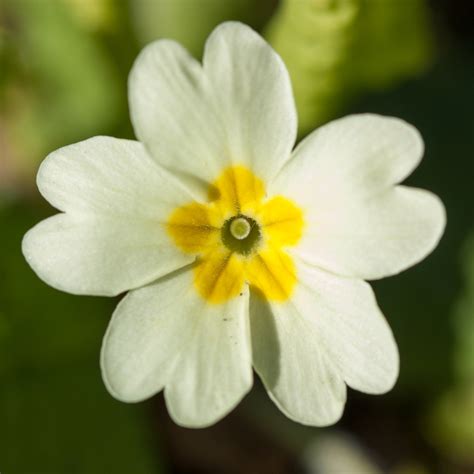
x=236, y=250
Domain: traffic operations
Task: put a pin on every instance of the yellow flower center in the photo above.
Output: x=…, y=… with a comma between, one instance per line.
x=239, y=237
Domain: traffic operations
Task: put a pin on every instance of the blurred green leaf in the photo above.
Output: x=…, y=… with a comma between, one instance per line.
x=315, y=39
x=450, y=425
x=61, y=86
x=335, y=49
x=55, y=413
x=65, y=423
x=394, y=41
x=190, y=22
x=464, y=320
x=95, y=15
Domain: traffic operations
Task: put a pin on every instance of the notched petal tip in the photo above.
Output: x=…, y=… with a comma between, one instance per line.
x=231, y=29
x=396, y=131
x=310, y=418
x=202, y=418
x=431, y=224
x=234, y=26
x=45, y=268
x=123, y=394
x=441, y=219
x=389, y=370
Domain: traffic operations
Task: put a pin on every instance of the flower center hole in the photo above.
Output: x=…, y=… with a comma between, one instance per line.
x=240, y=234
x=240, y=228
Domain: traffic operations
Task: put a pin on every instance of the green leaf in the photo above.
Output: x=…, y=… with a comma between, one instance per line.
x=190, y=21
x=335, y=49
x=56, y=416
x=464, y=318
x=61, y=85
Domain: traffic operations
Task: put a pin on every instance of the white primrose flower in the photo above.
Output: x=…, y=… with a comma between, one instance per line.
x=237, y=250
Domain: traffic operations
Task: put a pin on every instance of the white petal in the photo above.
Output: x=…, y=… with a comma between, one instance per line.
x=350, y=326
x=166, y=335
x=100, y=255
x=148, y=330
x=214, y=370
x=357, y=223
x=358, y=154
x=254, y=97
x=105, y=175
x=293, y=365
x=196, y=120
x=376, y=238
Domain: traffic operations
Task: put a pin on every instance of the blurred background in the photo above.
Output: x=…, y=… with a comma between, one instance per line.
x=63, y=76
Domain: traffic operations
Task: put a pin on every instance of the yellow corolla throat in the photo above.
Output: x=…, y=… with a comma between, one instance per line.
x=239, y=238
